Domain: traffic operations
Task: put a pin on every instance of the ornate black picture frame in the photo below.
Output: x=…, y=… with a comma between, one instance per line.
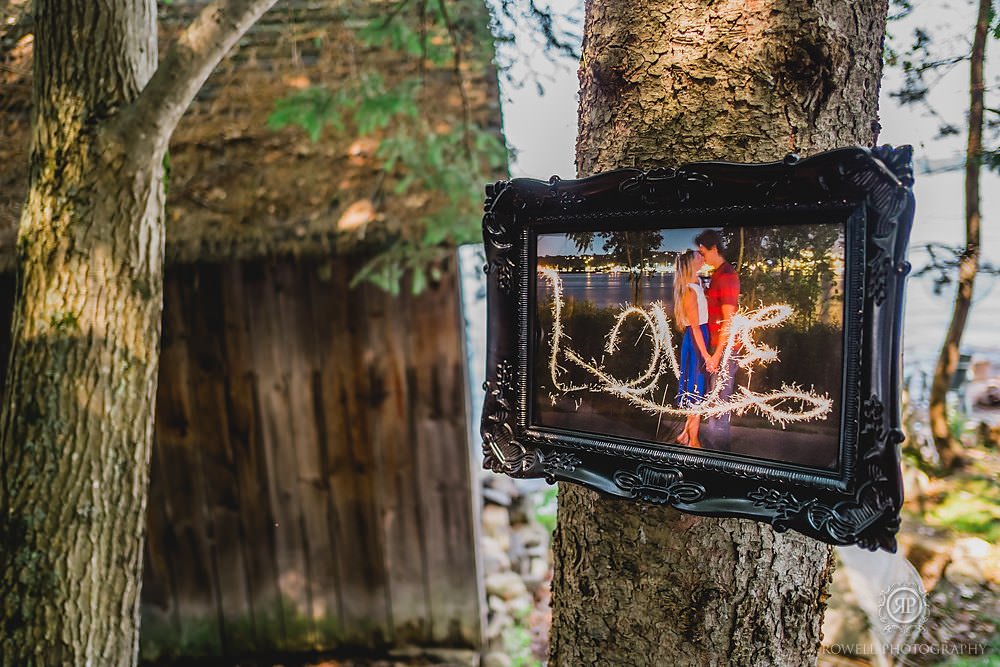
x=855, y=498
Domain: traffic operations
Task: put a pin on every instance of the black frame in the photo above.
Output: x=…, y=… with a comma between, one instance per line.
x=869, y=188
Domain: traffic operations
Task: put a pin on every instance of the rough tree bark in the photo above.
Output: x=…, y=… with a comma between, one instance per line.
x=948, y=448
x=76, y=426
x=662, y=83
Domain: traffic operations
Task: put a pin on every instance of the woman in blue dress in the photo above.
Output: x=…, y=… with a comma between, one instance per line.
x=691, y=316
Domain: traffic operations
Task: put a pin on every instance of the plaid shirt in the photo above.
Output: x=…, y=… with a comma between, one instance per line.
x=723, y=290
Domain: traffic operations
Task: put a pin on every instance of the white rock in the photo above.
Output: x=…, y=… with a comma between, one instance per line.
x=496, y=604
x=502, y=483
x=506, y=584
x=539, y=568
x=533, y=536
x=496, y=659
x=496, y=497
x=495, y=558
x=973, y=563
x=495, y=628
x=496, y=524
x=520, y=606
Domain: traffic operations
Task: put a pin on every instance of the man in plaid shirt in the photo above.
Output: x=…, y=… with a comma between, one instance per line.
x=723, y=296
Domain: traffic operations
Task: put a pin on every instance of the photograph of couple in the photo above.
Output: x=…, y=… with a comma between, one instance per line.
x=725, y=339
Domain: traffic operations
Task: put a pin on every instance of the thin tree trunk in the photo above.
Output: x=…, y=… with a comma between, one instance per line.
x=948, y=448
x=77, y=421
x=663, y=83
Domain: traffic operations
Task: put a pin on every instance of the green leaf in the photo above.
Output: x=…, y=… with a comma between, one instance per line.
x=418, y=281
x=404, y=184
x=311, y=109
x=396, y=33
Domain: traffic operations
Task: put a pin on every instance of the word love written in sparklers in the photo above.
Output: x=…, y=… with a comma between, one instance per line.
x=788, y=404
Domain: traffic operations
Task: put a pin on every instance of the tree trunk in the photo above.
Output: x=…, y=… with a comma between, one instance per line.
x=663, y=83
x=948, y=448
x=77, y=421
x=78, y=409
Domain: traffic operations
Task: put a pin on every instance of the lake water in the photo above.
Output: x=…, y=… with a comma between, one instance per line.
x=605, y=290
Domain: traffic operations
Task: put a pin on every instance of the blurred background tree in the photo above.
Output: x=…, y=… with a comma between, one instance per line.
x=922, y=65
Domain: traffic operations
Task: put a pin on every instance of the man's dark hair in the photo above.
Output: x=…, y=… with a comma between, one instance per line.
x=710, y=238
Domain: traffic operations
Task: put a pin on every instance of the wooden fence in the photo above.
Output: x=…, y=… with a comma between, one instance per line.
x=311, y=482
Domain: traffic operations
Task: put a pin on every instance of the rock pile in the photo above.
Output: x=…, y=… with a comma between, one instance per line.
x=517, y=569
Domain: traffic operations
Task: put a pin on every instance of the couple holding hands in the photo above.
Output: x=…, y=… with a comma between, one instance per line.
x=704, y=316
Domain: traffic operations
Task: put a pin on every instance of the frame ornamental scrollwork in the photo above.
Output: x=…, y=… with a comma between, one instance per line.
x=858, y=503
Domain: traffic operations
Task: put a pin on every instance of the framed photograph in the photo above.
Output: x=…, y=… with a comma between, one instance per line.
x=722, y=338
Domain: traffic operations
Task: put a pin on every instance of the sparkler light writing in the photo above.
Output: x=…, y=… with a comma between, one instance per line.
x=790, y=403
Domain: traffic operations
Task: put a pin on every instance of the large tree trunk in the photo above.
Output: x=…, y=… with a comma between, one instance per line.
x=77, y=419
x=948, y=448
x=663, y=83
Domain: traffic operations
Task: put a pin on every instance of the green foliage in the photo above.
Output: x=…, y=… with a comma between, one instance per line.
x=309, y=109
x=545, y=510
x=277, y=627
x=957, y=423
x=388, y=268
x=973, y=507
x=450, y=157
x=517, y=643
x=367, y=102
x=989, y=658
x=432, y=43
x=791, y=264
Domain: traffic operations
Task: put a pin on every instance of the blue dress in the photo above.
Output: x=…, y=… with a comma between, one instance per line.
x=693, y=380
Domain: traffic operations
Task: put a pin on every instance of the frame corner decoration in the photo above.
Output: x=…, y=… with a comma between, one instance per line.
x=855, y=502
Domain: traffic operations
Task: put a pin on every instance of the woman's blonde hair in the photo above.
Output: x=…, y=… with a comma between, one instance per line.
x=683, y=275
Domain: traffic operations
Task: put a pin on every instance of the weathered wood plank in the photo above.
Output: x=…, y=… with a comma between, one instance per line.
x=344, y=392
x=160, y=622
x=245, y=442
x=267, y=339
x=186, y=538
x=217, y=473
x=390, y=419
x=298, y=359
x=440, y=441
